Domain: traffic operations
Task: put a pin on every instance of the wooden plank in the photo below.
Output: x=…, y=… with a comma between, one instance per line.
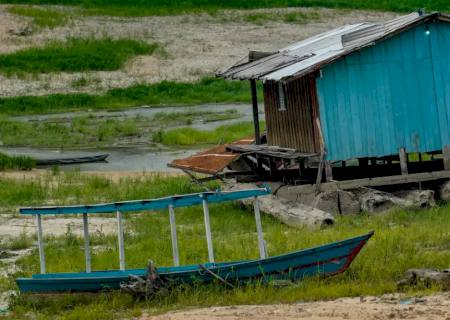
x=87, y=249
x=40, y=243
x=173, y=234
x=261, y=244
x=120, y=239
x=208, y=231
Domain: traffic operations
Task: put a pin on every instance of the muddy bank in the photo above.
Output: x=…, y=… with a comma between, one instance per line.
x=14, y=227
x=196, y=44
x=368, y=308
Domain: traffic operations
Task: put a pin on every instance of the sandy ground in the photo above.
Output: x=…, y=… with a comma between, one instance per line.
x=196, y=44
x=387, y=307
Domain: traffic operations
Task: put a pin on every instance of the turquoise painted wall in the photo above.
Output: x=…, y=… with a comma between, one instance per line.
x=391, y=95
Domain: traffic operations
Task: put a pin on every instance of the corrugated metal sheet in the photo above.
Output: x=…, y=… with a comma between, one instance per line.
x=211, y=161
x=395, y=94
x=313, y=53
x=294, y=127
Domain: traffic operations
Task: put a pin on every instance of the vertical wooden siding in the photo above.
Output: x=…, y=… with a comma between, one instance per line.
x=393, y=95
x=294, y=127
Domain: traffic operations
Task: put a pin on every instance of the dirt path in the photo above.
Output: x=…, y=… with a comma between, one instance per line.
x=196, y=44
x=370, y=308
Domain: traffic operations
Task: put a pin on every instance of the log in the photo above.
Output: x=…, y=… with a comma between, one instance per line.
x=427, y=278
x=292, y=213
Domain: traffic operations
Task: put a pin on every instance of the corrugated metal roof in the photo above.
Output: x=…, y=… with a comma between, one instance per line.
x=311, y=54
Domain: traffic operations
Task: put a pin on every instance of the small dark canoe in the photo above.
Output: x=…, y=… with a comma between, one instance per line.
x=64, y=161
x=326, y=260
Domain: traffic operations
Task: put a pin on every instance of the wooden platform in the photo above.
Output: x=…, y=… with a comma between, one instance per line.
x=270, y=151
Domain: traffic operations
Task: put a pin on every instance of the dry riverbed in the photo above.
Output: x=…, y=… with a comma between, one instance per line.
x=435, y=307
x=195, y=45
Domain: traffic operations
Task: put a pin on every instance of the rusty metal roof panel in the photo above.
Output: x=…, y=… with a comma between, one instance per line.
x=211, y=161
x=310, y=54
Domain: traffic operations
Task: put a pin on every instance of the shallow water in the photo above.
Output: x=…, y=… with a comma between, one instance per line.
x=135, y=158
x=124, y=159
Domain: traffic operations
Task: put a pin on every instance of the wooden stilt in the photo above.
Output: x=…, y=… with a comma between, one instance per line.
x=173, y=233
x=446, y=157
x=403, y=161
x=328, y=171
x=255, y=111
x=87, y=250
x=40, y=243
x=208, y=231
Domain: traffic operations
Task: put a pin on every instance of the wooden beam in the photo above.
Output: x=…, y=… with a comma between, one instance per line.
x=446, y=157
x=375, y=182
x=40, y=239
x=255, y=111
x=403, y=161
x=87, y=250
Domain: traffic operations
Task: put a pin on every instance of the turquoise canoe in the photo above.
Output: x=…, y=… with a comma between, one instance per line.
x=326, y=260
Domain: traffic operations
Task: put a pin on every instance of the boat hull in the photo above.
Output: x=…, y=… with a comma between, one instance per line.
x=324, y=260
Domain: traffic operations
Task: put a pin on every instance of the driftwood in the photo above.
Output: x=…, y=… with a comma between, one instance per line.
x=427, y=278
x=145, y=287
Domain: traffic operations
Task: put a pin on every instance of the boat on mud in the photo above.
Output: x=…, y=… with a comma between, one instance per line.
x=325, y=260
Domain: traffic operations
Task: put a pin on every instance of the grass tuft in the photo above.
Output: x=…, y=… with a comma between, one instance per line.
x=16, y=162
x=42, y=17
x=75, y=55
x=190, y=136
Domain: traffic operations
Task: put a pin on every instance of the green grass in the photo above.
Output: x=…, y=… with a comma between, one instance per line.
x=16, y=162
x=403, y=240
x=75, y=55
x=206, y=90
x=99, y=131
x=190, y=136
x=167, y=7
x=42, y=17
x=292, y=17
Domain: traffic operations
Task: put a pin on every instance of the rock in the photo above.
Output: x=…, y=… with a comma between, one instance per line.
x=376, y=201
x=327, y=201
x=22, y=32
x=348, y=202
x=426, y=277
x=416, y=198
x=444, y=191
x=292, y=213
x=337, y=202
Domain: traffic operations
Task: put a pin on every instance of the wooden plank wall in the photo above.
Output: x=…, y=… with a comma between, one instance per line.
x=293, y=128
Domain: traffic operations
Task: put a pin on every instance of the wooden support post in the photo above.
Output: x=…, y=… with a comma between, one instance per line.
x=446, y=157
x=208, y=231
x=255, y=111
x=261, y=245
x=40, y=243
x=328, y=171
x=87, y=250
x=173, y=233
x=120, y=238
x=403, y=161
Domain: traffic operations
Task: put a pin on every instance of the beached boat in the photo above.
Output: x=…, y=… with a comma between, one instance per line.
x=323, y=260
x=73, y=160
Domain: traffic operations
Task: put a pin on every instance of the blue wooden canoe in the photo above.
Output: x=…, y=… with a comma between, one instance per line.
x=326, y=260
